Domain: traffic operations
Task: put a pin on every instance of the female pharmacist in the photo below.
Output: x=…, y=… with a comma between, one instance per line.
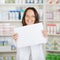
x=35, y=52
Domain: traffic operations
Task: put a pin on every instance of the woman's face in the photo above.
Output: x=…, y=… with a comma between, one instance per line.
x=30, y=17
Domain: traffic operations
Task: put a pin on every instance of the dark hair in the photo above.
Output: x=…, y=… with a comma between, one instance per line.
x=36, y=15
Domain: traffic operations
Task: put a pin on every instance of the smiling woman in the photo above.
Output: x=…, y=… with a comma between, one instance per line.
x=30, y=17
x=30, y=13
x=36, y=51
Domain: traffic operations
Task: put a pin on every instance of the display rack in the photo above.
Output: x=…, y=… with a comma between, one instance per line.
x=52, y=18
x=11, y=12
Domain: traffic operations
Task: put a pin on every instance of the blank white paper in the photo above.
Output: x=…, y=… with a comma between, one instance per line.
x=30, y=35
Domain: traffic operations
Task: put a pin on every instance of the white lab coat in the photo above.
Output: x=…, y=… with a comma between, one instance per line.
x=30, y=53
x=35, y=52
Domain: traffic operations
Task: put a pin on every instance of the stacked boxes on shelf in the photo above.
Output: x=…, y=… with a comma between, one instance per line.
x=21, y=1
x=53, y=41
x=3, y=15
x=7, y=58
x=3, y=43
x=53, y=28
x=13, y=10
x=9, y=1
x=50, y=44
x=49, y=13
x=57, y=13
x=53, y=44
x=52, y=13
x=53, y=56
x=16, y=13
x=13, y=14
x=52, y=16
x=6, y=29
x=6, y=40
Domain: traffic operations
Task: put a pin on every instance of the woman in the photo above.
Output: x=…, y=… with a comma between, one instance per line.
x=35, y=52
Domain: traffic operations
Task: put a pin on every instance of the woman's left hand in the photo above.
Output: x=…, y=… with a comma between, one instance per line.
x=45, y=33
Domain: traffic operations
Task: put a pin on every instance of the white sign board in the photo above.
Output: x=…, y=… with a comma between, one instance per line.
x=30, y=35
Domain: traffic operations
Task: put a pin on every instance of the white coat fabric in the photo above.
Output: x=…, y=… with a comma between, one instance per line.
x=35, y=52
x=30, y=53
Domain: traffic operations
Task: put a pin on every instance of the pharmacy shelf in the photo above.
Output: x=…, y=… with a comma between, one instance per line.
x=10, y=21
x=13, y=21
x=53, y=34
x=54, y=21
x=6, y=35
x=13, y=4
x=8, y=51
x=53, y=50
x=52, y=4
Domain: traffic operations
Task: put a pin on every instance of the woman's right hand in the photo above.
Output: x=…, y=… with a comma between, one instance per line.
x=15, y=36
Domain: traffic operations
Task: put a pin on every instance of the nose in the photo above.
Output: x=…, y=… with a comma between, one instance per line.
x=29, y=17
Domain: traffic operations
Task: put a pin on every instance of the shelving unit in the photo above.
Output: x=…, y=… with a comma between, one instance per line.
x=11, y=14
x=52, y=18
x=18, y=8
x=53, y=34
x=55, y=51
x=49, y=13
